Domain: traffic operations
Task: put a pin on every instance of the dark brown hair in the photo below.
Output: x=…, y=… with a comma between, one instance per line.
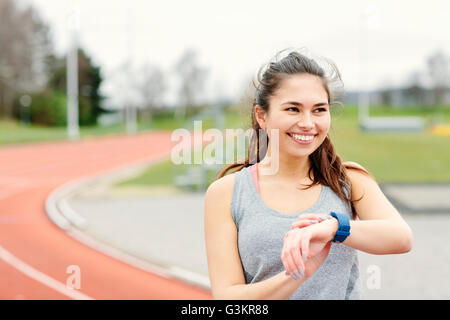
x=326, y=165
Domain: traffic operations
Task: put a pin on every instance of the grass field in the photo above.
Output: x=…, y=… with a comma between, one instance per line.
x=13, y=133
x=18, y=133
x=391, y=157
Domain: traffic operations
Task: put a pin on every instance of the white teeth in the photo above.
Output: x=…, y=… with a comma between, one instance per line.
x=303, y=138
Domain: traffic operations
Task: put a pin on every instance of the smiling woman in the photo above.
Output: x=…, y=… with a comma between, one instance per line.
x=269, y=238
x=300, y=93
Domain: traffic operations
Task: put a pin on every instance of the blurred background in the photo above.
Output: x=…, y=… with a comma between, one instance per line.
x=102, y=71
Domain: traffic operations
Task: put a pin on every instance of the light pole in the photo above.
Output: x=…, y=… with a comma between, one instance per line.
x=130, y=108
x=369, y=20
x=73, y=130
x=25, y=102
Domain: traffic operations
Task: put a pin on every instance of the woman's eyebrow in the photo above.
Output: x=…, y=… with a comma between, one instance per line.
x=295, y=103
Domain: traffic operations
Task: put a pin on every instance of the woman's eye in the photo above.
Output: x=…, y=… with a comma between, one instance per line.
x=296, y=109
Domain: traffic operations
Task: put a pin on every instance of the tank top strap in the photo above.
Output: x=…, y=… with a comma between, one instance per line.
x=254, y=171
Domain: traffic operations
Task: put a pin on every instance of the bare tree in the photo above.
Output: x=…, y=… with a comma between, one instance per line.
x=151, y=87
x=438, y=68
x=25, y=49
x=192, y=78
x=386, y=93
x=415, y=89
x=246, y=95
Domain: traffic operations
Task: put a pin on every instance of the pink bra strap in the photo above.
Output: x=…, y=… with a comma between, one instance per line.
x=254, y=171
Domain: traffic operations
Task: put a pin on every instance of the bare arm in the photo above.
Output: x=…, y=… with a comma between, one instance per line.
x=381, y=229
x=279, y=287
x=224, y=264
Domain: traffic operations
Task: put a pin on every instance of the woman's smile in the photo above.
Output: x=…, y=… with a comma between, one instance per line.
x=302, y=138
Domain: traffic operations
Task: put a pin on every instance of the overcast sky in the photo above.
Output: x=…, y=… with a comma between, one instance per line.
x=234, y=38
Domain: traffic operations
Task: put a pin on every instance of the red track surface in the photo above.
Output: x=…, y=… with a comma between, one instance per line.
x=28, y=174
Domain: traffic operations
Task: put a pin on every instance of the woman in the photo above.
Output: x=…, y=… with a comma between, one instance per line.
x=267, y=237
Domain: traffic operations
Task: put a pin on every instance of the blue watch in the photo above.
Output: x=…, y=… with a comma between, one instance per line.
x=344, y=226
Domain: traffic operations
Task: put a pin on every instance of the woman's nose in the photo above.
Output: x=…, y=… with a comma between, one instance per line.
x=306, y=121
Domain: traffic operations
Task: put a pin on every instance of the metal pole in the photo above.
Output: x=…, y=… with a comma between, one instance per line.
x=370, y=20
x=131, y=117
x=363, y=97
x=73, y=131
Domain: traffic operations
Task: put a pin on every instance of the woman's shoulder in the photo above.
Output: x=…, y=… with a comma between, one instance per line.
x=360, y=178
x=353, y=165
x=225, y=183
x=218, y=199
x=221, y=187
x=355, y=170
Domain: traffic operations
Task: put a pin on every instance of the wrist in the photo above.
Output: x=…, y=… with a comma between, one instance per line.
x=343, y=230
x=333, y=226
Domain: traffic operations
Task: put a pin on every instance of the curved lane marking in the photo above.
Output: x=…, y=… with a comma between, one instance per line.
x=41, y=277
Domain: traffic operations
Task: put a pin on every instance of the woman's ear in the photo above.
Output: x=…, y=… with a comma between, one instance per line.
x=260, y=115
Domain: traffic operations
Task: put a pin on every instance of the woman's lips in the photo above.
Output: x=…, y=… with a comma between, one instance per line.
x=302, y=141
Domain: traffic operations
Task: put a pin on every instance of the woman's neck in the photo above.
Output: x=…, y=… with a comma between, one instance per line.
x=288, y=168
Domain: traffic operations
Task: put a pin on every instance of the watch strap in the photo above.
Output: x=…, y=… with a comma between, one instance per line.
x=343, y=230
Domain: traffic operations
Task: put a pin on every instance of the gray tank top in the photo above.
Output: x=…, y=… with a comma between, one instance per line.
x=260, y=240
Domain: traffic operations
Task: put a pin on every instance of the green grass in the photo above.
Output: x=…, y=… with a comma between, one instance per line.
x=13, y=132
x=160, y=174
x=407, y=157
x=395, y=157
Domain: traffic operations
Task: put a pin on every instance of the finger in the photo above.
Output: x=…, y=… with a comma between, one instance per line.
x=284, y=261
x=317, y=216
x=305, y=245
x=296, y=254
x=325, y=217
x=292, y=261
x=284, y=254
x=289, y=245
x=310, y=216
x=303, y=223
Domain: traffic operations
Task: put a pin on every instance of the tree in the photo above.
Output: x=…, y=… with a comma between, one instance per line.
x=438, y=69
x=151, y=87
x=89, y=82
x=414, y=89
x=386, y=93
x=24, y=53
x=247, y=95
x=192, y=78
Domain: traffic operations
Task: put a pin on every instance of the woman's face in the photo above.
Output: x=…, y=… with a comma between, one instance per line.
x=299, y=110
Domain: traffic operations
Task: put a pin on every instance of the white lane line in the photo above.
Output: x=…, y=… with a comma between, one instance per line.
x=10, y=192
x=41, y=277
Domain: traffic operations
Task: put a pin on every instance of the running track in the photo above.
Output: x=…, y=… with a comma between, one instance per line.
x=35, y=253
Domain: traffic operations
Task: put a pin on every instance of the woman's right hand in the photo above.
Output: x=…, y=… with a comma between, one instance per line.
x=314, y=262
x=305, y=250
